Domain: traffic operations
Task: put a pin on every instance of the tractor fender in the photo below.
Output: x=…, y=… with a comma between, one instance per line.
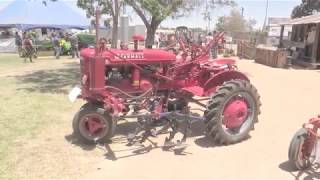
x=218, y=79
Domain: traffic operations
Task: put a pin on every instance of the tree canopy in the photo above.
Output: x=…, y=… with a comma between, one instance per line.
x=110, y=7
x=153, y=12
x=307, y=7
x=235, y=22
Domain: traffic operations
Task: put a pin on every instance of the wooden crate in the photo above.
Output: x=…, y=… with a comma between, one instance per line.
x=270, y=57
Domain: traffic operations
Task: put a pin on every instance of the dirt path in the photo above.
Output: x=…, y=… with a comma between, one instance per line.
x=289, y=98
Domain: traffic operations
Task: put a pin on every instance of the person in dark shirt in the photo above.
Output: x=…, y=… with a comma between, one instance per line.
x=74, y=46
x=56, y=46
x=214, y=49
x=18, y=42
x=28, y=48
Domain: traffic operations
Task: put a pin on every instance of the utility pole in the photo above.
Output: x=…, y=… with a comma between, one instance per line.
x=266, y=16
x=242, y=11
x=207, y=16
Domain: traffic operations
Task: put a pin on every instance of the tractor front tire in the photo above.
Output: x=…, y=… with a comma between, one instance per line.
x=92, y=124
x=232, y=112
x=295, y=150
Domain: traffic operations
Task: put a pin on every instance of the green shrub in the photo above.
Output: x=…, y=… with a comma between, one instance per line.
x=45, y=45
x=86, y=40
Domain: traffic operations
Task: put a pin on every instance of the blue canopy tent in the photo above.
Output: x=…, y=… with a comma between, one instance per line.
x=31, y=14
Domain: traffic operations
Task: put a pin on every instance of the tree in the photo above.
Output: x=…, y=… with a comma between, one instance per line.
x=153, y=12
x=212, y=4
x=307, y=7
x=235, y=22
x=110, y=7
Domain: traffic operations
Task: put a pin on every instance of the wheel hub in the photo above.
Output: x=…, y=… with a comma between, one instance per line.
x=235, y=113
x=94, y=125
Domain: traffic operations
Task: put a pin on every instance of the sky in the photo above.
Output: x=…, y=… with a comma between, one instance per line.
x=253, y=9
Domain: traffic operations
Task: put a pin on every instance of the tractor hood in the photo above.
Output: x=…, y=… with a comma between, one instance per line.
x=145, y=56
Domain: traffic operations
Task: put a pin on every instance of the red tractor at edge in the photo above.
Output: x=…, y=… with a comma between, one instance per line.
x=303, y=149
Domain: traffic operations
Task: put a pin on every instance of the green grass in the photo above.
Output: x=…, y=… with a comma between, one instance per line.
x=28, y=104
x=10, y=61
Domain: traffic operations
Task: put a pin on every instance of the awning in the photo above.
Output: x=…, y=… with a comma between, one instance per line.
x=30, y=14
x=312, y=19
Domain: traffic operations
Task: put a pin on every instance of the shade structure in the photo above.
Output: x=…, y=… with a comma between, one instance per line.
x=311, y=19
x=30, y=14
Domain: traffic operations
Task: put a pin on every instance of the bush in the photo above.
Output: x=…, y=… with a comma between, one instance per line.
x=86, y=40
x=45, y=45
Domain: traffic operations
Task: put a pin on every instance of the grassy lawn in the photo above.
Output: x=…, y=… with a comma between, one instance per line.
x=29, y=103
x=9, y=61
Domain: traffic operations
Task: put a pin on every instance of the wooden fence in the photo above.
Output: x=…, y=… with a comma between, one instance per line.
x=246, y=50
x=268, y=56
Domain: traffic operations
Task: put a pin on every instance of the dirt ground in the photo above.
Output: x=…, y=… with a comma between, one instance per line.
x=289, y=98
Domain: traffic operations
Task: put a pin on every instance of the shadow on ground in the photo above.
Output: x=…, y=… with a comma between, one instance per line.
x=56, y=81
x=120, y=136
x=124, y=128
x=312, y=173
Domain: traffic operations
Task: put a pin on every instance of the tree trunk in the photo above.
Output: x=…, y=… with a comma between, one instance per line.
x=150, y=37
x=151, y=31
x=115, y=23
x=114, y=41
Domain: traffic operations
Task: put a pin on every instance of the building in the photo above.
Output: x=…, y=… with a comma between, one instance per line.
x=274, y=30
x=304, y=42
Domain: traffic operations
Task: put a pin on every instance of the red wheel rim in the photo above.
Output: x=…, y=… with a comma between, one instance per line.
x=93, y=126
x=303, y=157
x=235, y=112
x=238, y=113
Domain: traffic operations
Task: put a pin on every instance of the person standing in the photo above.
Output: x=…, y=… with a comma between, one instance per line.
x=157, y=40
x=56, y=46
x=309, y=40
x=18, y=42
x=74, y=46
x=214, y=48
x=28, y=47
x=199, y=41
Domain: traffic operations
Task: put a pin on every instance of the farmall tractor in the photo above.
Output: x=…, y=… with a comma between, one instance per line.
x=158, y=90
x=303, y=148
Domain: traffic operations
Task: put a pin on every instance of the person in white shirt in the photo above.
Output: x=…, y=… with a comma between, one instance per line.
x=157, y=40
x=309, y=41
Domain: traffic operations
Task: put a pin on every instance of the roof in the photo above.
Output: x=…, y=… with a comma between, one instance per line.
x=277, y=21
x=29, y=14
x=312, y=19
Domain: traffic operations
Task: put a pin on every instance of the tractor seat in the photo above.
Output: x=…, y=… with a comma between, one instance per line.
x=137, y=37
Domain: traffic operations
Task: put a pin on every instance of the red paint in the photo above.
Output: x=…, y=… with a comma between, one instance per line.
x=199, y=76
x=312, y=126
x=93, y=125
x=235, y=113
x=137, y=37
x=197, y=52
x=221, y=77
x=145, y=84
x=136, y=77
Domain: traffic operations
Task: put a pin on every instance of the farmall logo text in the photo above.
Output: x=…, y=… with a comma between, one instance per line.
x=131, y=56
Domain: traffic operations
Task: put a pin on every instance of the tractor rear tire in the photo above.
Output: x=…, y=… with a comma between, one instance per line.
x=215, y=113
x=96, y=115
x=295, y=149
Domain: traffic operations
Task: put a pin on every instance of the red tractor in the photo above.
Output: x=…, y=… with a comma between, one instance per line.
x=185, y=45
x=303, y=148
x=152, y=86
